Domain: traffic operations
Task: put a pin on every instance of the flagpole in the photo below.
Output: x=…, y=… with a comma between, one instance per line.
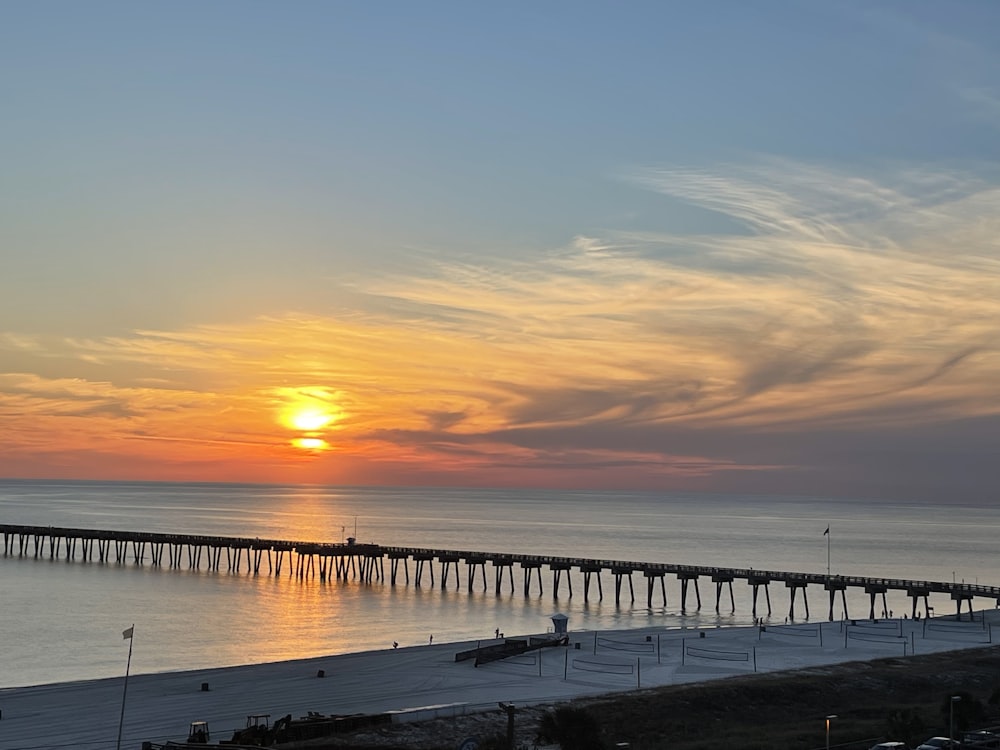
x=828, y=535
x=128, y=664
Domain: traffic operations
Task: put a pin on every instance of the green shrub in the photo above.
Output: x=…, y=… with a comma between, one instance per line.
x=571, y=728
x=906, y=725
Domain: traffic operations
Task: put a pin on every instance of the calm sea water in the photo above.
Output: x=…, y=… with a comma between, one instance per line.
x=62, y=620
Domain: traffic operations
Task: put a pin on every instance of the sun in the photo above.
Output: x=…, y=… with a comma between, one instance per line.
x=308, y=412
x=309, y=419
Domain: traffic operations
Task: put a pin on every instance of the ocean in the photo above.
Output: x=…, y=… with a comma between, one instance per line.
x=62, y=620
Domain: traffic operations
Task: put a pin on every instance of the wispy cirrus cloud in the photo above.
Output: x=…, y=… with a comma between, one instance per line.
x=848, y=304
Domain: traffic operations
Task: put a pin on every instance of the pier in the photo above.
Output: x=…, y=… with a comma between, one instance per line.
x=367, y=563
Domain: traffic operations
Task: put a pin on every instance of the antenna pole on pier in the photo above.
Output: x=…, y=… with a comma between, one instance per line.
x=827, y=534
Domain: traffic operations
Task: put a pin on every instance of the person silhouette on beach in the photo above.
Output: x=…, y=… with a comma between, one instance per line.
x=395, y=644
x=431, y=641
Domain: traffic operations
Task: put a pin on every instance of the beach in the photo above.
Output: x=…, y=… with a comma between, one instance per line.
x=258, y=643
x=64, y=619
x=423, y=682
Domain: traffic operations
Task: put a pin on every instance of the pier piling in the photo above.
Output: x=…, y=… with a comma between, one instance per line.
x=366, y=564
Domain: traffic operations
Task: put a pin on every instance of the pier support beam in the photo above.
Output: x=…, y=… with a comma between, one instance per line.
x=873, y=591
x=557, y=570
x=419, y=561
x=588, y=571
x=449, y=563
x=685, y=579
x=792, y=587
x=917, y=593
x=473, y=564
x=365, y=562
x=279, y=557
x=343, y=567
x=376, y=567
x=527, y=567
x=959, y=597
x=620, y=573
x=651, y=577
x=719, y=579
x=833, y=587
x=394, y=559
x=757, y=582
x=499, y=566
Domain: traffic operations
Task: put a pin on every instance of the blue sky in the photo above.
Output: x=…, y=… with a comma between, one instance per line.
x=715, y=246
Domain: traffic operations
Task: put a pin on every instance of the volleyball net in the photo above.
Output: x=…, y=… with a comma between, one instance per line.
x=636, y=647
x=699, y=652
x=796, y=631
x=606, y=667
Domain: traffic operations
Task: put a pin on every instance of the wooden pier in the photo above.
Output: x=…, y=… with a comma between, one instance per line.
x=366, y=563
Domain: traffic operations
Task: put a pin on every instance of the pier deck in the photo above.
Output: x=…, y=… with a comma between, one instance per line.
x=365, y=562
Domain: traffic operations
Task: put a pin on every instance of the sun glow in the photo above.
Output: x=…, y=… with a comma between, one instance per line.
x=309, y=419
x=311, y=444
x=308, y=411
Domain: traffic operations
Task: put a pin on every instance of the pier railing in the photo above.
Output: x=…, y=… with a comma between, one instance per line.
x=366, y=562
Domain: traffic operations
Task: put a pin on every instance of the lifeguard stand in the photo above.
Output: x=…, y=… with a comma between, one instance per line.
x=559, y=623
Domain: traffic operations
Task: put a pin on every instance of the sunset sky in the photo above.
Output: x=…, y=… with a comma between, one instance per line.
x=721, y=246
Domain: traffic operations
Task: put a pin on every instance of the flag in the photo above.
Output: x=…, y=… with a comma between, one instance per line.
x=827, y=532
x=127, y=634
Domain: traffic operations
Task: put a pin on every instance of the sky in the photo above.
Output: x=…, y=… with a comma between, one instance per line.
x=707, y=247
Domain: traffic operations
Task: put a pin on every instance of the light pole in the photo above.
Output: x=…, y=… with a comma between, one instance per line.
x=509, y=708
x=951, y=720
x=831, y=716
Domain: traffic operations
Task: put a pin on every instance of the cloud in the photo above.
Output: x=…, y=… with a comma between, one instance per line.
x=848, y=304
x=443, y=420
x=15, y=342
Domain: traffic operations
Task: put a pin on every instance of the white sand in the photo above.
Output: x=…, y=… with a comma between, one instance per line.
x=160, y=707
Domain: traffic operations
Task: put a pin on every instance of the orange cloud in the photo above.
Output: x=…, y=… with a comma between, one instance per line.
x=845, y=305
